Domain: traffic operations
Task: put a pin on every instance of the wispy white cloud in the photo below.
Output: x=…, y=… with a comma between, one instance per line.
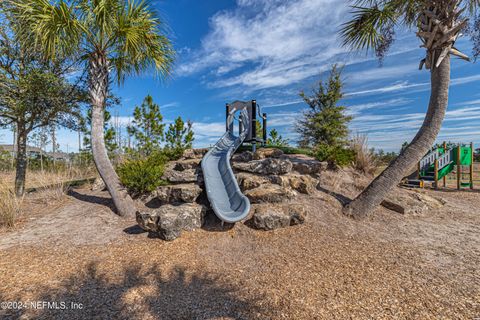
x=399, y=86
x=281, y=42
x=207, y=133
x=358, y=108
x=381, y=73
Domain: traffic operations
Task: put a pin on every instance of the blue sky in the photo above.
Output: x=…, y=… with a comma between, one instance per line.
x=269, y=50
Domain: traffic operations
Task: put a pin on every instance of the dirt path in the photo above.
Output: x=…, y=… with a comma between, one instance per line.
x=389, y=266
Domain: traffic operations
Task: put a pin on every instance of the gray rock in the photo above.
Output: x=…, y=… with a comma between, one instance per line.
x=268, y=217
x=301, y=183
x=245, y=156
x=414, y=203
x=247, y=181
x=307, y=166
x=263, y=153
x=185, y=176
x=297, y=214
x=269, y=193
x=194, y=153
x=169, y=221
x=178, y=193
x=265, y=166
x=182, y=165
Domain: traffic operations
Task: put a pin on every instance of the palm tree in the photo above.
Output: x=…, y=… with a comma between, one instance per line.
x=122, y=37
x=438, y=24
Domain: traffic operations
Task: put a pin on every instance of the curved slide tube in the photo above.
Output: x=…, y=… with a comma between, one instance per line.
x=223, y=192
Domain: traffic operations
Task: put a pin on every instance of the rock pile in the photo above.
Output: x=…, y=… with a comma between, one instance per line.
x=270, y=179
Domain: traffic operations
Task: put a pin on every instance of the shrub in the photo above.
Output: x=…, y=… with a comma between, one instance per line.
x=143, y=175
x=335, y=154
x=172, y=154
x=365, y=160
x=325, y=121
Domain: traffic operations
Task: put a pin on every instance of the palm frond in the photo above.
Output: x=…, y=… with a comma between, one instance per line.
x=364, y=30
x=54, y=27
x=140, y=43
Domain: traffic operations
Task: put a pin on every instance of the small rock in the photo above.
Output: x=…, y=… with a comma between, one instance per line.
x=297, y=214
x=178, y=193
x=263, y=153
x=265, y=166
x=194, y=153
x=269, y=193
x=301, y=183
x=98, y=185
x=303, y=166
x=268, y=217
x=406, y=202
x=169, y=221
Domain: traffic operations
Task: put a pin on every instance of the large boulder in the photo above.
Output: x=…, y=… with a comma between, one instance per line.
x=245, y=156
x=169, y=221
x=264, y=153
x=268, y=217
x=269, y=193
x=178, y=193
x=265, y=166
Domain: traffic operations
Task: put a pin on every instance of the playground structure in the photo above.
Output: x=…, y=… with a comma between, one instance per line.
x=223, y=192
x=442, y=161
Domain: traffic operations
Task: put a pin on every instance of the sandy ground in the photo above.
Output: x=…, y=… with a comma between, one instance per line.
x=93, y=264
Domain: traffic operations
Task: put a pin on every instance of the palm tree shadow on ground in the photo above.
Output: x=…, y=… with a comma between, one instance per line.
x=142, y=295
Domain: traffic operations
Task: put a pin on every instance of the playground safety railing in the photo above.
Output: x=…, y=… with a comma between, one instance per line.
x=445, y=159
x=429, y=159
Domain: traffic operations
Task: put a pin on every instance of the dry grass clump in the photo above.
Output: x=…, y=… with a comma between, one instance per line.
x=53, y=186
x=9, y=205
x=365, y=159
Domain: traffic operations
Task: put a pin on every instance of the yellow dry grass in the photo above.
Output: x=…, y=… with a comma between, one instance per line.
x=9, y=205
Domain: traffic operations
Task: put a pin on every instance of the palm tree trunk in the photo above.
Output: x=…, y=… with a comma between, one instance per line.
x=374, y=194
x=98, y=95
x=21, y=169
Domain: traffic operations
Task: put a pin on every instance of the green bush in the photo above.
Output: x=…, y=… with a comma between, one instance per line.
x=335, y=154
x=172, y=154
x=143, y=175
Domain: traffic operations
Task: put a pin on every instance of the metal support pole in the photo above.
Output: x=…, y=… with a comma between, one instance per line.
x=226, y=116
x=254, y=125
x=444, y=152
x=264, y=125
x=471, y=165
x=459, y=168
x=435, y=173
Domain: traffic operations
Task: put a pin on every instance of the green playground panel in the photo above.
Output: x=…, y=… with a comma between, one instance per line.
x=445, y=170
x=465, y=156
x=465, y=160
